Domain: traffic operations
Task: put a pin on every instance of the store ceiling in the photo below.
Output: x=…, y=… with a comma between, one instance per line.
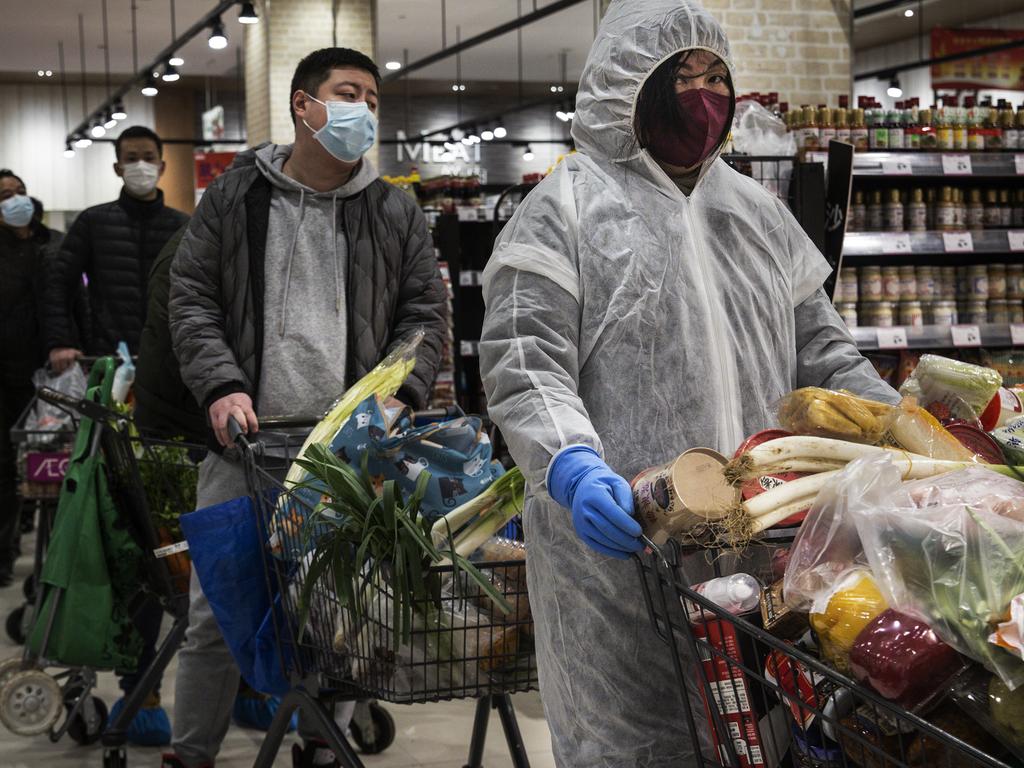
x=892, y=25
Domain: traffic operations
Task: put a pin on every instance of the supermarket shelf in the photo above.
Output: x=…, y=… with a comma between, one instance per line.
x=936, y=337
x=933, y=164
x=940, y=247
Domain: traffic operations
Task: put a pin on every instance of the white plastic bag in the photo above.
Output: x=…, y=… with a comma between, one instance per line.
x=756, y=131
x=44, y=419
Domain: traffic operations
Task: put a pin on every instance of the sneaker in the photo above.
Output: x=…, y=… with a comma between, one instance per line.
x=256, y=711
x=149, y=728
x=314, y=754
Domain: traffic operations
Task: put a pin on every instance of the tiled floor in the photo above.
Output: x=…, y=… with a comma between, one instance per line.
x=429, y=735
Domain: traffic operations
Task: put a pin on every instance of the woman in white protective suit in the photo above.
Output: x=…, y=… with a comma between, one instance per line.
x=644, y=299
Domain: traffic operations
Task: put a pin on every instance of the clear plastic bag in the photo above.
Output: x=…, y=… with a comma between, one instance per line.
x=823, y=413
x=993, y=706
x=756, y=131
x=46, y=418
x=952, y=389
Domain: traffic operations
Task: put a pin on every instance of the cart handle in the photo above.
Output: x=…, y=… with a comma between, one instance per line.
x=84, y=407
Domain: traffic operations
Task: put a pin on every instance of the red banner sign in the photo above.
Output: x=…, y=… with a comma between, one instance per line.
x=210, y=165
x=1003, y=70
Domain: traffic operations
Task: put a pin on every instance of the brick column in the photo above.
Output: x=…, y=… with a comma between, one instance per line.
x=799, y=48
x=288, y=30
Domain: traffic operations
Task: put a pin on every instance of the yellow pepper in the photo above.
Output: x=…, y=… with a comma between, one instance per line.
x=849, y=610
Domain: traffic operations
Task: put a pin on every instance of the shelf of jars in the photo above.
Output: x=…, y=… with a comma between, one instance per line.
x=938, y=337
x=932, y=164
x=934, y=247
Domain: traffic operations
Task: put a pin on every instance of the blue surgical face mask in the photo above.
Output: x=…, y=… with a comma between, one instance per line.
x=350, y=130
x=17, y=210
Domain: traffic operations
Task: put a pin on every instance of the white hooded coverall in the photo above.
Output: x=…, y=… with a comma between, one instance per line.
x=626, y=316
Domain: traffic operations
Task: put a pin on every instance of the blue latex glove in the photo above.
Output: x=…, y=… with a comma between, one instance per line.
x=601, y=502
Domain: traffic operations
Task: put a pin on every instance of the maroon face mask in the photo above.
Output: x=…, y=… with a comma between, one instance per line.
x=704, y=116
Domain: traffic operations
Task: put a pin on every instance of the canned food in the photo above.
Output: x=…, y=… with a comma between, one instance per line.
x=871, y=284
x=999, y=311
x=683, y=495
x=911, y=314
x=908, y=283
x=890, y=283
x=848, y=311
x=997, y=281
x=977, y=282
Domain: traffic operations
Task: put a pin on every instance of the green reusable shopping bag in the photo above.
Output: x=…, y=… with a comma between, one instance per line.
x=93, y=566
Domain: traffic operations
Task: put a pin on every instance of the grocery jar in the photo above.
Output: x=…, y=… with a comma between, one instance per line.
x=943, y=313
x=976, y=312
x=911, y=314
x=871, y=284
x=1016, y=311
x=999, y=312
x=908, y=283
x=947, y=283
x=1015, y=281
x=997, y=281
x=848, y=311
x=890, y=284
x=962, y=285
x=977, y=282
x=926, y=288
x=883, y=317
x=850, y=292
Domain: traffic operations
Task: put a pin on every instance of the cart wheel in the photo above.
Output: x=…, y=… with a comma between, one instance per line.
x=30, y=703
x=15, y=630
x=9, y=668
x=88, y=724
x=28, y=588
x=379, y=736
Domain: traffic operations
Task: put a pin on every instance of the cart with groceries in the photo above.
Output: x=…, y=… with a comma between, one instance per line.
x=848, y=590
x=376, y=573
x=113, y=546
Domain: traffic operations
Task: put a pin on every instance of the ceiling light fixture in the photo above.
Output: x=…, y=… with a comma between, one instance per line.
x=40, y=73
x=894, y=90
x=97, y=131
x=563, y=116
x=176, y=61
x=393, y=66
x=108, y=121
x=171, y=74
x=83, y=142
x=528, y=154
x=69, y=151
x=500, y=132
x=909, y=12
x=119, y=113
x=149, y=88
x=218, y=39
x=248, y=15
x=487, y=135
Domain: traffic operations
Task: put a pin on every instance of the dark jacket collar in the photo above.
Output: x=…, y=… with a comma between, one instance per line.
x=141, y=209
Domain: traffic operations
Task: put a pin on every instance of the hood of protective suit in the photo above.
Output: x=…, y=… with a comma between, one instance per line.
x=619, y=65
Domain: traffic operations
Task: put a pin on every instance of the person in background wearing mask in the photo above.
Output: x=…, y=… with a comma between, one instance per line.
x=645, y=299
x=114, y=245
x=25, y=245
x=299, y=272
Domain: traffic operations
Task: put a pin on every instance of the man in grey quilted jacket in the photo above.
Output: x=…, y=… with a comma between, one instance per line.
x=299, y=271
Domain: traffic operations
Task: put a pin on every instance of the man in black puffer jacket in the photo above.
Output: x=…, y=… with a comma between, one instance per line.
x=114, y=245
x=300, y=270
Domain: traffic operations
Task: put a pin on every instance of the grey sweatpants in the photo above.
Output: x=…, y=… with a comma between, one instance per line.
x=208, y=677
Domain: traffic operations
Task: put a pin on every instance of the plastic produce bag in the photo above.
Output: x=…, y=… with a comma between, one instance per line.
x=44, y=417
x=840, y=415
x=993, y=706
x=1010, y=633
x=918, y=431
x=851, y=606
x=756, y=131
x=944, y=551
x=951, y=389
x=1011, y=440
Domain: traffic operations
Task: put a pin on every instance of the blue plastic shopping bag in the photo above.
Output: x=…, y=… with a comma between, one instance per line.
x=231, y=561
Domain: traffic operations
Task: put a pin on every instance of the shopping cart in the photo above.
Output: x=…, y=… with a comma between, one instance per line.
x=761, y=701
x=145, y=477
x=343, y=656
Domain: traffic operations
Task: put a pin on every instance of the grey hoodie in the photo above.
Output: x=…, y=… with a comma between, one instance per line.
x=304, y=333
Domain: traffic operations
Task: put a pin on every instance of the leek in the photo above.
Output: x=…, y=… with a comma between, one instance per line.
x=470, y=525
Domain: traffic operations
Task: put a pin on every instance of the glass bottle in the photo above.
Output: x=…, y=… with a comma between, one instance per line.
x=959, y=210
x=878, y=130
x=991, y=132
x=944, y=130
x=1017, y=214
x=973, y=126
x=894, y=120
x=930, y=201
x=859, y=130
x=875, y=213
x=840, y=118
x=929, y=141
x=893, y=214
x=827, y=129
x=1005, y=209
x=858, y=213
x=975, y=211
x=917, y=212
x=809, y=129
x=1008, y=125
x=993, y=216
x=912, y=128
x=944, y=214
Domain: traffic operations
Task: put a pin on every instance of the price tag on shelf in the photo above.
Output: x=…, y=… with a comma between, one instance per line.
x=897, y=166
x=966, y=335
x=469, y=348
x=958, y=242
x=957, y=165
x=1017, y=335
x=892, y=338
x=895, y=242
x=1016, y=238
x=1018, y=162
x=469, y=278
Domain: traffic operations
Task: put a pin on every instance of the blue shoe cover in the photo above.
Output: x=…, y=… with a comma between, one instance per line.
x=257, y=712
x=150, y=728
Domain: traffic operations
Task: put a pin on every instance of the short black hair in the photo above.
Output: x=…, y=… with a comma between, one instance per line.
x=138, y=132
x=313, y=71
x=8, y=173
